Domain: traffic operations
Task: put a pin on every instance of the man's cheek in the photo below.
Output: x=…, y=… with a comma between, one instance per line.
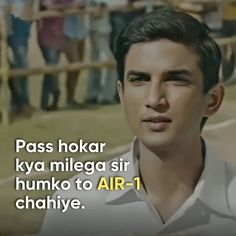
x=132, y=116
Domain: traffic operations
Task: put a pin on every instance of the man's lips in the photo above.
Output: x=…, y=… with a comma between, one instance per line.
x=156, y=123
x=156, y=119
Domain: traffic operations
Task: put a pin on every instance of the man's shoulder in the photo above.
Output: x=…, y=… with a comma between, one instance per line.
x=230, y=171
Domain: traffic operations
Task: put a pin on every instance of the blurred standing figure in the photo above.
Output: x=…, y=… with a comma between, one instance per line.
x=121, y=17
x=51, y=42
x=101, y=83
x=213, y=18
x=229, y=30
x=20, y=22
x=229, y=19
x=75, y=32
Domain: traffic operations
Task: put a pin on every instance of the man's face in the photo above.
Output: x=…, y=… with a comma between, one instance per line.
x=163, y=93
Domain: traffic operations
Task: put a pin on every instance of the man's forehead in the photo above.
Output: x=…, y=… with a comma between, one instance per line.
x=161, y=55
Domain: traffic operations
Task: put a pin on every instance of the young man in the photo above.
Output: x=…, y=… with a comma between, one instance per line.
x=168, y=70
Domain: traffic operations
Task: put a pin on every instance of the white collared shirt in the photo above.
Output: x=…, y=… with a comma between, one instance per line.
x=209, y=211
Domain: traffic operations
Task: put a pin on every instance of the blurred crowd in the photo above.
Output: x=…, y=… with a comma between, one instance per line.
x=66, y=35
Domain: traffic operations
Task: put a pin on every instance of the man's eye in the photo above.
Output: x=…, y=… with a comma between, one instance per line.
x=138, y=78
x=178, y=80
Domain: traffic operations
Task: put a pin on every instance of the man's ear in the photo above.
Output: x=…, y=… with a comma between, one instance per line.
x=214, y=100
x=120, y=91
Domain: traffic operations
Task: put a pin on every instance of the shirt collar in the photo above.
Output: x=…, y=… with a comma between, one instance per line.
x=210, y=190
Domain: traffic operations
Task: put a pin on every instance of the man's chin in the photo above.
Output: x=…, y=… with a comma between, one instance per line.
x=157, y=142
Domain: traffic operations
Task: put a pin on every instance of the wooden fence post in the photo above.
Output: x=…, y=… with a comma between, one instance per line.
x=4, y=90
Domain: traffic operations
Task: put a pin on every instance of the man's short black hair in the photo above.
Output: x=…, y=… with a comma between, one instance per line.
x=178, y=27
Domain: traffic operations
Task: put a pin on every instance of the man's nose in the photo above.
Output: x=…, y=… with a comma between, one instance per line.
x=156, y=97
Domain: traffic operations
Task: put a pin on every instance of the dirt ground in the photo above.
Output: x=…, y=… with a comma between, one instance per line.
x=96, y=123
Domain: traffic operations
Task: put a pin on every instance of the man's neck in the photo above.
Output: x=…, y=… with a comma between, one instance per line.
x=170, y=177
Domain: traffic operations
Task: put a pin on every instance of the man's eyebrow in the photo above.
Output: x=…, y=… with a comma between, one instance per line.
x=184, y=72
x=137, y=73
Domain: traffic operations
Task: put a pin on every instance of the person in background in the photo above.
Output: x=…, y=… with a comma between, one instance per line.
x=120, y=18
x=229, y=30
x=51, y=41
x=229, y=19
x=20, y=24
x=102, y=82
x=75, y=33
x=212, y=17
x=122, y=14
